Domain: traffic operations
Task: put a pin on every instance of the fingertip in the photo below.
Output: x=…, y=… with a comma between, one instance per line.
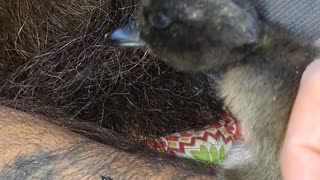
x=301, y=149
x=311, y=75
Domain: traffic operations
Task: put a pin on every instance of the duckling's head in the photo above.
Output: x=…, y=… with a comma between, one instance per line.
x=192, y=34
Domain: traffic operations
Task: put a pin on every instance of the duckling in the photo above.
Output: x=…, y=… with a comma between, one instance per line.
x=259, y=67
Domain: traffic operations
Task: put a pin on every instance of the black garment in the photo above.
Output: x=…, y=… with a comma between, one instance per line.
x=301, y=17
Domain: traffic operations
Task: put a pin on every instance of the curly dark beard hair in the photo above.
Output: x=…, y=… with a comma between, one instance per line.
x=55, y=62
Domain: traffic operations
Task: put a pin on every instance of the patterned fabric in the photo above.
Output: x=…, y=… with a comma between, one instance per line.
x=208, y=145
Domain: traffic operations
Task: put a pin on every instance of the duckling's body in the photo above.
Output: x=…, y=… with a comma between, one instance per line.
x=260, y=91
x=260, y=71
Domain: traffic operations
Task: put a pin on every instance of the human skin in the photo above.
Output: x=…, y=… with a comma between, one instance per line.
x=33, y=148
x=300, y=158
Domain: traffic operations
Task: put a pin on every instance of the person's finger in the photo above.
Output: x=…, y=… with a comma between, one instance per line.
x=300, y=156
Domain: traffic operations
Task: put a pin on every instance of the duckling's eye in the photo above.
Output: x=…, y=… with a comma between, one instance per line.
x=159, y=20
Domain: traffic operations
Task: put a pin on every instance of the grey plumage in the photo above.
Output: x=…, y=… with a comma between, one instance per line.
x=260, y=69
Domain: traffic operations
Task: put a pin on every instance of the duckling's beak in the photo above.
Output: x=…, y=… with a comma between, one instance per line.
x=127, y=36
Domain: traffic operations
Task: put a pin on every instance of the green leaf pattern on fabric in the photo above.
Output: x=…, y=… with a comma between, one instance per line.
x=209, y=155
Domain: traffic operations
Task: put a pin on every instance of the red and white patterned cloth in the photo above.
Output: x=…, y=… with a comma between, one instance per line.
x=209, y=144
